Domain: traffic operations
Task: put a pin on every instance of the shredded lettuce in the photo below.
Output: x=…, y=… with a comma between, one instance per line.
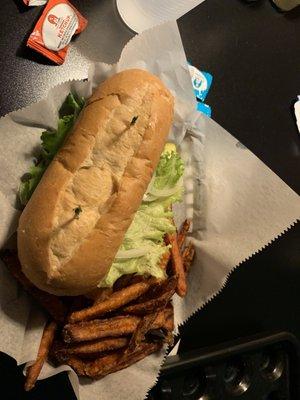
x=146, y=265
x=169, y=170
x=51, y=142
x=150, y=224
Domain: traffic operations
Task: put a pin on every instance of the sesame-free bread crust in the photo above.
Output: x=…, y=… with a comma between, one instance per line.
x=76, y=219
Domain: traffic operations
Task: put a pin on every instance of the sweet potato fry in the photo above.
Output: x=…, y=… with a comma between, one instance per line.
x=109, y=363
x=112, y=327
x=86, y=367
x=169, y=324
x=144, y=350
x=157, y=300
x=52, y=304
x=34, y=370
x=127, y=280
x=160, y=320
x=100, y=346
x=177, y=265
x=148, y=322
x=188, y=256
x=115, y=301
x=123, y=281
x=139, y=334
x=165, y=260
x=74, y=362
x=62, y=351
x=183, y=232
x=102, y=366
x=158, y=288
x=96, y=329
x=149, y=306
x=163, y=331
x=169, y=317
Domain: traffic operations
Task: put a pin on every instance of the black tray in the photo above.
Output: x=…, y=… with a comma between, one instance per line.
x=262, y=367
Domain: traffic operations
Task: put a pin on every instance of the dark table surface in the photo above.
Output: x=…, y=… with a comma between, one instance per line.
x=253, y=54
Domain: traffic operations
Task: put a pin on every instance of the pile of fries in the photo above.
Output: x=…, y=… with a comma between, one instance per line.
x=111, y=328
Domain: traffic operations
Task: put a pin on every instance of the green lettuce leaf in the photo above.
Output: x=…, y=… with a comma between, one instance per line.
x=150, y=224
x=169, y=170
x=145, y=265
x=51, y=142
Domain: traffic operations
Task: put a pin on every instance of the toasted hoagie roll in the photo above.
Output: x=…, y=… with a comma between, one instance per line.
x=76, y=219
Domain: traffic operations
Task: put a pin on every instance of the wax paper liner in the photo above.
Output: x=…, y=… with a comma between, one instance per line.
x=237, y=204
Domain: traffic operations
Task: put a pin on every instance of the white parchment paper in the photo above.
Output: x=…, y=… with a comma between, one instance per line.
x=237, y=204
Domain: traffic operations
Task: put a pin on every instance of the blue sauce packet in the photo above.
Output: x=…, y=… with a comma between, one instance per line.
x=204, y=108
x=201, y=82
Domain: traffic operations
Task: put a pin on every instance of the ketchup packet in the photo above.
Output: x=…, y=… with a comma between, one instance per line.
x=55, y=28
x=35, y=2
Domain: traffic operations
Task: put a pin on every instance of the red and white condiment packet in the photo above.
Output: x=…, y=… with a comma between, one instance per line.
x=35, y=2
x=54, y=30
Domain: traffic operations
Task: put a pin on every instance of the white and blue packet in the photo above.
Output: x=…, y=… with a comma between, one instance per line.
x=201, y=82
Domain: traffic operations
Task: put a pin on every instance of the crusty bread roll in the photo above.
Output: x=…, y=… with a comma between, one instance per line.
x=75, y=221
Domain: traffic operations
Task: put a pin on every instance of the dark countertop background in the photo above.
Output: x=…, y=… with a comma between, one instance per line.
x=253, y=53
